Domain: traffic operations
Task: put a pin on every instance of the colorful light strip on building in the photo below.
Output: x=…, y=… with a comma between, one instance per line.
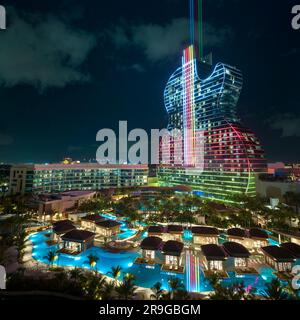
x=193, y=272
x=188, y=80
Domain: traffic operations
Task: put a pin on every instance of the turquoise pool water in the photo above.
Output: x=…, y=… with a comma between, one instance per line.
x=146, y=276
x=125, y=231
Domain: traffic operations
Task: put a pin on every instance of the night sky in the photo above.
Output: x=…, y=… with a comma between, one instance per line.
x=70, y=68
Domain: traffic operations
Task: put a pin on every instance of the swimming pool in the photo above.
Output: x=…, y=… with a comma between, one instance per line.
x=146, y=276
x=126, y=232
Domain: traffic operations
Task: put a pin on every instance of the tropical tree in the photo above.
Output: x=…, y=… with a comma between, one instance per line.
x=157, y=291
x=76, y=274
x=127, y=289
x=51, y=257
x=175, y=285
x=93, y=286
x=115, y=272
x=92, y=261
x=275, y=290
x=108, y=290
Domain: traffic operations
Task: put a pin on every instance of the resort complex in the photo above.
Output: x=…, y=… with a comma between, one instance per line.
x=210, y=221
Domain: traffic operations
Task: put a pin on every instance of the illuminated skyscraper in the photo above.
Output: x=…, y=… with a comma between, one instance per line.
x=201, y=102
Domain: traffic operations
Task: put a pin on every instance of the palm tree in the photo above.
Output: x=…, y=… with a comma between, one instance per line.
x=115, y=272
x=275, y=290
x=108, y=290
x=126, y=290
x=92, y=261
x=157, y=291
x=76, y=274
x=51, y=257
x=175, y=285
x=93, y=286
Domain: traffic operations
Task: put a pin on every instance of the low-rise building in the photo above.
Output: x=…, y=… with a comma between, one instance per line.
x=89, y=221
x=156, y=231
x=293, y=248
x=173, y=256
x=60, y=228
x=48, y=204
x=77, y=241
x=259, y=238
x=242, y=236
x=238, y=256
x=205, y=235
x=214, y=257
x=150, y=246
x=107, y=228
x=279, y=258
x=173, y=232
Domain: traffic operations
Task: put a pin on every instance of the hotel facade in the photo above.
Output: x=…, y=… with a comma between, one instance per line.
x=201, y=102
x=51, y=178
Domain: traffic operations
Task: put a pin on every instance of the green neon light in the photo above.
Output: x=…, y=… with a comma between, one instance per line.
x=200, y=29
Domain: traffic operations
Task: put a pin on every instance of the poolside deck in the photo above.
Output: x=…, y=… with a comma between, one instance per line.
x=222, y=274
x=140, y=260
x=245, y=271
x=174, y=269
x=67, y=251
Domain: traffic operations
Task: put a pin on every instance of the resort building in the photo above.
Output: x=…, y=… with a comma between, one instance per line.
x=61, y=202
x=173, y=256
x=214, y=258
x=150, y=246
x=278, y=258
x=241, y=236
x=238, y=256
x=156, y=231
x=205, y=235
x=107, y=228
x=77, y=241
x=49, y=178
x=259, y=238
x=201, y=101
x=89, y=221
x=288, y=236
x=62, y=227
x=173, y=232
x=293, y=248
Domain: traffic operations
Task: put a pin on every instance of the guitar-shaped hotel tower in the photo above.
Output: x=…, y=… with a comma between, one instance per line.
x=202, y=103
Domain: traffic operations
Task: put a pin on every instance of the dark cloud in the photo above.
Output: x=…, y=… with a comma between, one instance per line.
x=160, y=42
x=288, y=124
x=42, y=51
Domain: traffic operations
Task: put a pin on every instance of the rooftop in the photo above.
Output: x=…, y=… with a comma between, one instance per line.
x=61, y=222
x=258, y=233
x=237, y=232
x=174, y=228
x=213, y=252
x=108, y=224
x=236, y=250
x=78, y=235
x=93, y=218
x=155, y=229
x=173, y=248
x=278, y=253
x=63, y=228
x=293, y=248
x=151, y=243
x=206, y=231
